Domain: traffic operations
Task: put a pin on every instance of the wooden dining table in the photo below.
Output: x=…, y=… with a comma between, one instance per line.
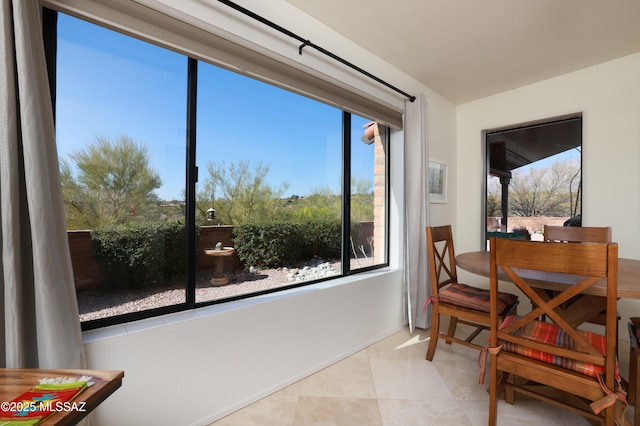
x=588, y=306
x=16, y=381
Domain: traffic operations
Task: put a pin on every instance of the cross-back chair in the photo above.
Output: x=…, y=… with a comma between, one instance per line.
x=463, y=304
x=581, y=234
x=555, y=361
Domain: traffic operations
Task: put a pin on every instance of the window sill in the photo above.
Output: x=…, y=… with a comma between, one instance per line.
x=105, y=333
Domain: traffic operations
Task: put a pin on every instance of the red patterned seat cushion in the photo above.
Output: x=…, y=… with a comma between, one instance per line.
x=552, y=334
x=473, y=297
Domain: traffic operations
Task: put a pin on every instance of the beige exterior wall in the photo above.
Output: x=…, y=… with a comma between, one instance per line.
x=379, y=194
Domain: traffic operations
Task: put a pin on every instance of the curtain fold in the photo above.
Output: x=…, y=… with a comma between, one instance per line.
x=39, y=311
x=416, y=162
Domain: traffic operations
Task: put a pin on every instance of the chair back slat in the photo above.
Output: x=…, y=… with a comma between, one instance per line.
x=442, y=264
x=544, y=304
x=578, y=234
x=581, y=259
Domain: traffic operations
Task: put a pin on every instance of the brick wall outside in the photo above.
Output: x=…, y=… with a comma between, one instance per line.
x=209, y=237
x=379, y=197
x=87, y=273
x=532, y=224
x=366, y=232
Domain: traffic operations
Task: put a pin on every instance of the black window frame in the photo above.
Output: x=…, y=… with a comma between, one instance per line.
x=560, y=120
x=50, y=22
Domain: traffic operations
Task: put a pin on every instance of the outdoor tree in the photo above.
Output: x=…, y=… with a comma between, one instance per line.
x=494, y=196
x=108, y=182
x=326, y=204
x=322, y=204
x=361, y=199
x=240, y=195
x=544, y=192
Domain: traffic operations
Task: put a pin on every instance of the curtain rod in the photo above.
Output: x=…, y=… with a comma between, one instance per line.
x=306, y=43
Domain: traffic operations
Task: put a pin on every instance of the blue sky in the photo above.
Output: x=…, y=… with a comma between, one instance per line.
x=570, y=154
x=110, y=85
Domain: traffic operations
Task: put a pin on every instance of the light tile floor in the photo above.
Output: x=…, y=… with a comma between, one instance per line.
x=390, y=383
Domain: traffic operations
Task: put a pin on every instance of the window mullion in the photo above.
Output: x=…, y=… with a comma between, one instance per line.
x=192, y=178
x=346, y=192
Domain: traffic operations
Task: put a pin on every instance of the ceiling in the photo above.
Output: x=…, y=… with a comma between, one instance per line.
x=469, y=49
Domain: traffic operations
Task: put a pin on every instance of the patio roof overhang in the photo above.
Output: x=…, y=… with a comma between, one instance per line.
x=513, y=148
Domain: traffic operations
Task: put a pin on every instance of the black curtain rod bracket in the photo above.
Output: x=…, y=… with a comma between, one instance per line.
x=303, y=45
x=306, y=43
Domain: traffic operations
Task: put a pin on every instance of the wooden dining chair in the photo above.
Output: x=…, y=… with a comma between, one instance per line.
x=634, y=367
x=577, y=234
x=463, y=304
x=581, y=234
x=554, y=361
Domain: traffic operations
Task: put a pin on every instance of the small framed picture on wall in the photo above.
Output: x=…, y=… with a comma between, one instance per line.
x=437, y=182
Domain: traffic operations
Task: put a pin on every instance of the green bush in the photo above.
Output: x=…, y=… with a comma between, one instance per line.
x=516, y=234
x=140, y=254
x=280, y=244
x=323, y=238
x=268, y=245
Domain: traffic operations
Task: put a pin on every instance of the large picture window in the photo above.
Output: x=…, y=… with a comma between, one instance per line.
x=186, y=184
x=534, y=177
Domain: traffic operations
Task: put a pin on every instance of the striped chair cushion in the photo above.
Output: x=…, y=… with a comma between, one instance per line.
x=474, y=298
x=552, y=334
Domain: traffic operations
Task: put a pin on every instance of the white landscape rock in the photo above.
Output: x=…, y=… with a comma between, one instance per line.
x=312, y=272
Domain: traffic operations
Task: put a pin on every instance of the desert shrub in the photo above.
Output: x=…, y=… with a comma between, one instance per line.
x=140, y=254
x=269, y=245
x=280, y=244
x=323, y=238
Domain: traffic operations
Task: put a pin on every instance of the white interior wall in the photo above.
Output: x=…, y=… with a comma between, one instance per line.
x=608, y=95
x=441, y=136
x=195, y=366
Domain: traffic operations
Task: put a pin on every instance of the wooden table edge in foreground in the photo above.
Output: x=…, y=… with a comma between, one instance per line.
x=15, y=381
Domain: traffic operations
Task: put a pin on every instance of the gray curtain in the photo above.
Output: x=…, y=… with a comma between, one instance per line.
x=416, y=166
x=39, y=311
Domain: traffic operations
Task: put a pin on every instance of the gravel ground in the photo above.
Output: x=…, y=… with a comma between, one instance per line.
x=94, y=304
